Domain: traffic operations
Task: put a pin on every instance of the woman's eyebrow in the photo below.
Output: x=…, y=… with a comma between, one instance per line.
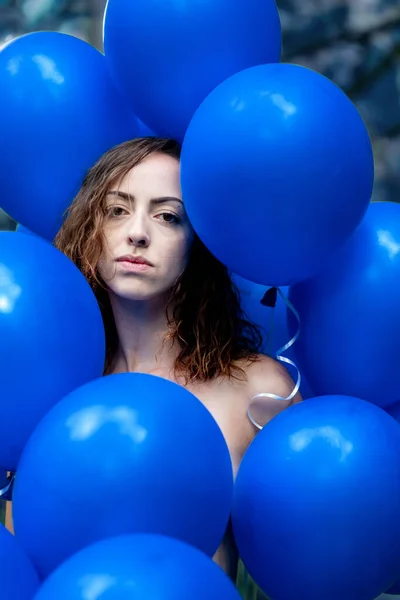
x=165, y=200
x=154, y=201
x=122, y=195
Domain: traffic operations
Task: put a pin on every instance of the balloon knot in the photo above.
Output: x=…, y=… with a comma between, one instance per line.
x=270, y=297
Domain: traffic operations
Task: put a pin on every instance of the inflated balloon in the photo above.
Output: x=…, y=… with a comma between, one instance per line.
x=52, y=336
x=22, y=229
x=394, y=590
x=349, y=343
x=277, y=172
x=166, y=56
x=317, y=502
x=126, y=453
x=394, y=411
x=272, y=322
x=18, y=578
x=144, y=130
x=59, y=112
x=138, y=567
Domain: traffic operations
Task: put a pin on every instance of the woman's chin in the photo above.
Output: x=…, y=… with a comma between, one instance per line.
x=140, y=293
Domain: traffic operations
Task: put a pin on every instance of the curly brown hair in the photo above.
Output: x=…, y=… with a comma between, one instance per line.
x=203, y=314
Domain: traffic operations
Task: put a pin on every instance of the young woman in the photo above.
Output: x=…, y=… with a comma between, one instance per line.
x=169, y=307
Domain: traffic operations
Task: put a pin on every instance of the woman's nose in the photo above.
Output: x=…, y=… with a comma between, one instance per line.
x=138, y=232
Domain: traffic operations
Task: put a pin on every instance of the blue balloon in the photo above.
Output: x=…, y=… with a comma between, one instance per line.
x=145, y=131
x=394, y=411
x=139, y=567
x=272, y=322
x=277, y=172
x=22, y=229
x=166, y=56
x=126, y=453
x=394, y=590
x=317, y=502
x=18, y=578
x=349, y=314
x=59, y=112
x=52, y=336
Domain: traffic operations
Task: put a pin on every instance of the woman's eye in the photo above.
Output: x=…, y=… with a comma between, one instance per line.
x=169, y=218
x=116, y=211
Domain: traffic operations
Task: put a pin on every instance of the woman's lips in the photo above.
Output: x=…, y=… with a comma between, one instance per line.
x=134, y=267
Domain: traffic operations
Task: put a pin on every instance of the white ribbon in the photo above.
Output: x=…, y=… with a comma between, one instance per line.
x=6, y=491
x=283, y=359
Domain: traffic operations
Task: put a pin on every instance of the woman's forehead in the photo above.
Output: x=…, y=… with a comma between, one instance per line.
x=156, y=175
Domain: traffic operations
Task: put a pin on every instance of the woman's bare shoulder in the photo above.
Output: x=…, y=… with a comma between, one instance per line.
x=264, y=374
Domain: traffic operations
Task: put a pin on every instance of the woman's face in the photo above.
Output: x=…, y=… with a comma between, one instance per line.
x=146, y=231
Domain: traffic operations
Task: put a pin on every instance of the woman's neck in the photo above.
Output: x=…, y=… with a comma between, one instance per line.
x=142, y=329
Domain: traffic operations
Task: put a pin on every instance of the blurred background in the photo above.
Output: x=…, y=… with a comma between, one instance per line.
x=356, y=43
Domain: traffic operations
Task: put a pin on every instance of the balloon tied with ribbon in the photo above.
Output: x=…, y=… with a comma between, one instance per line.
x=270, y=297
x=269, y=300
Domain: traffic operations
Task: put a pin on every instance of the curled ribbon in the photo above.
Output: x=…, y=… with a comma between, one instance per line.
x=6, y=491
x=279, y=354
